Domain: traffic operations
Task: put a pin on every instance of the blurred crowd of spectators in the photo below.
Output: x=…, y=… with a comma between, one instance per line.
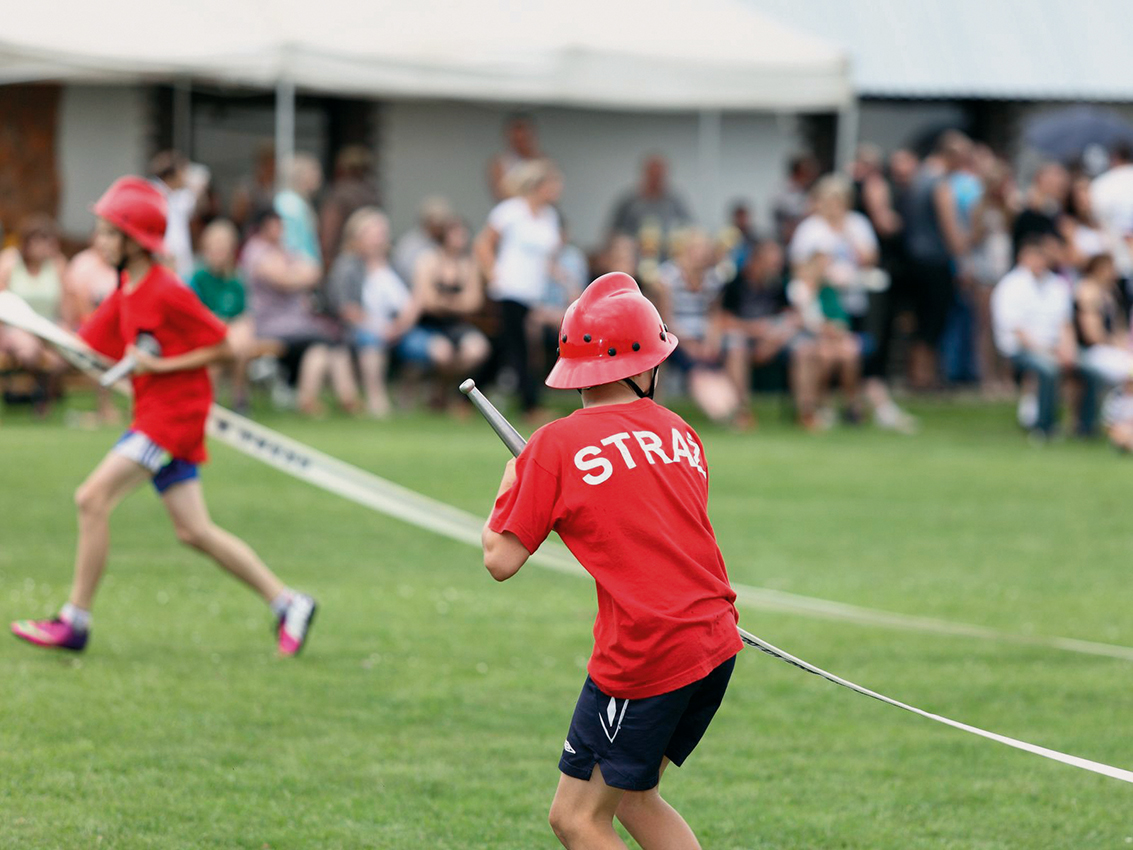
x=926, y=272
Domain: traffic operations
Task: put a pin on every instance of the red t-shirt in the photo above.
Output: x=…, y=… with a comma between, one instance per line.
x=170, y=408
x=626, y=487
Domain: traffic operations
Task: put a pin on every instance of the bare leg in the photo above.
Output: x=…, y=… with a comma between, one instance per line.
x=372, y=364
x=312, y=374
x=186, y=505
x=342, y=378
x=112, y=480
x=582, y=813
x=805, y=379
x=653, y=823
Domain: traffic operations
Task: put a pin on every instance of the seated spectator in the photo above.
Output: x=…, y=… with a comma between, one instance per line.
x=432, y=220
x=1117, y=416
x=1045, y=203
x=1032, y=315
x=374, y=303
x=87, y=281
x=447, y=292
x=280, y=283
x=1079, y=228
x=688, y=292
x=220, y=288
x=34, y=270
x=846, y=239
x=758, y=330
x=1098, y=323
x=836, y=351
x=652, y=212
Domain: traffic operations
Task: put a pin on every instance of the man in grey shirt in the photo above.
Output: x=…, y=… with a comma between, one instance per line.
x=651, y=205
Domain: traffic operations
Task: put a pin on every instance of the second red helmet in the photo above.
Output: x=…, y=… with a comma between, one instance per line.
x=611, y=332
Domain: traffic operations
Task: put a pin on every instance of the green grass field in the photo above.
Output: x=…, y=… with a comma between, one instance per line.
x=430, y=706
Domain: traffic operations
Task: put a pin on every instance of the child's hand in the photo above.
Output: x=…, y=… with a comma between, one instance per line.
x=509, y=478
x=146, y=362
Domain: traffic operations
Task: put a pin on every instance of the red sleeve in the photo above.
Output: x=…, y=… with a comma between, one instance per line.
x=529, y=509
x=101, y=330
x=195, y=325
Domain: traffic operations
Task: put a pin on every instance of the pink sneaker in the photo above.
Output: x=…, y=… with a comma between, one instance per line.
x=55, y=633
x=295, y=624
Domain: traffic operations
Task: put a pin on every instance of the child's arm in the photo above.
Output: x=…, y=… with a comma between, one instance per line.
x=194, y=359
x=503, y=553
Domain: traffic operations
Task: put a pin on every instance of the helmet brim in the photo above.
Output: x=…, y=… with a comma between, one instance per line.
x=578, y=374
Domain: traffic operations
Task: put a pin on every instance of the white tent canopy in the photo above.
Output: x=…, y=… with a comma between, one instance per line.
x=618, y=54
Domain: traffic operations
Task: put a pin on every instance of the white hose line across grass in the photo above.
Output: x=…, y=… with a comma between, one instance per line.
x=364, y=488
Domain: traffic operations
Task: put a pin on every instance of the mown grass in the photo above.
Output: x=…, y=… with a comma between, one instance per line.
x=429, y=709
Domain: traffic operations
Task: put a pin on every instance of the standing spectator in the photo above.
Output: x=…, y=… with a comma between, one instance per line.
x=935, y=241
x=433, y=219
x=522, y=140
x=1112, y=196
x=295, y=207
x=281, y=282
x=220, y=288
x=651, y=212
x=569, y=276
x=1032, y=311
x=447, y=292
x=516, y=250
x=743, y=236
x=34, y=270
x=792, y=202
x=1080, y=230
x=689, y=290
x=183, y=185
x=353, y=188
x=992, y=222
x=758, y=330
x=373, y=302
x=1046, y=201
x=256, y=193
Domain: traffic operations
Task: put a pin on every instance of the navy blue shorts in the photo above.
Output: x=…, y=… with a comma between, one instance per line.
x=628, y=738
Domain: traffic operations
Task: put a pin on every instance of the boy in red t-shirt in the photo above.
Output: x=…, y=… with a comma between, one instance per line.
x=625, y=484
x=166, y=441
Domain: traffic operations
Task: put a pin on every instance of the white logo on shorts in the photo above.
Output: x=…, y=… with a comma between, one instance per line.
x=607, y=717
x=569, y=748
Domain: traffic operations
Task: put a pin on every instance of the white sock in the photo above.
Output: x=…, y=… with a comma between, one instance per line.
x=280, y=603
x=76, y=618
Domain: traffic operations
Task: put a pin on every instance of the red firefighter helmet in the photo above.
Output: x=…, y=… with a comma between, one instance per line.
x=611, y=332
x=137, y=208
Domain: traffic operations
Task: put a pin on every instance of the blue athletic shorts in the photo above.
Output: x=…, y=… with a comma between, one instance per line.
x=629, y=738
x=166, y=469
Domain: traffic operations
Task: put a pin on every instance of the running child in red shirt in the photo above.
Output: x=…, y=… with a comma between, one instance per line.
x=166, y=441
x=625, y=484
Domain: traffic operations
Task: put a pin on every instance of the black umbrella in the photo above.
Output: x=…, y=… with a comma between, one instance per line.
x=1065, y=134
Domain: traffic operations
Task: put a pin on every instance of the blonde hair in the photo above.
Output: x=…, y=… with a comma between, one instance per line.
x=528, y=176
x=833, y=186
x=357, y=221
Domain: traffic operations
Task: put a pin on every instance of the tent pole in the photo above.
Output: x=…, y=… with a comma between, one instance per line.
x=284, y=130
x=709, y=143
x=846, y=139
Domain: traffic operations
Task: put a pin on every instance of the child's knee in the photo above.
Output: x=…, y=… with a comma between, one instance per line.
x=193, y=535
x=90, y=500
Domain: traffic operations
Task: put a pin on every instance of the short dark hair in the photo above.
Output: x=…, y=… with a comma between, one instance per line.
x=262, y=216
x=166, y=164
x=1096, y=261
x=1032, y=241
x=1122, y=151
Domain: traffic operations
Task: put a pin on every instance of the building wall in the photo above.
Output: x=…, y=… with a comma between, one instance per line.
x=102, y=135
x=443, y=148
x=29, y=180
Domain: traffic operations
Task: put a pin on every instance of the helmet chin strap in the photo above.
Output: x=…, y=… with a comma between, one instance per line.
x=632, y=384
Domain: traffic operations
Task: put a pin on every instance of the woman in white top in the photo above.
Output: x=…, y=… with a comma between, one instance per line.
x=34, y=271
x=1080, y=229
x=516, y=251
